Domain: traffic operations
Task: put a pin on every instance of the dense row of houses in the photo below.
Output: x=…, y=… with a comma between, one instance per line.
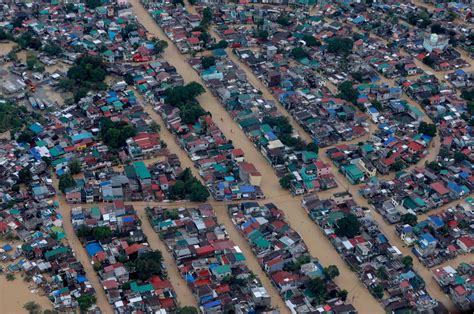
x=222, y=166
x=380, y=266
x=283, y=255
x=33, y=233
x=114, y=241
x=441, y=236
x=265, y=126
x=213, y=267
x=457, y=283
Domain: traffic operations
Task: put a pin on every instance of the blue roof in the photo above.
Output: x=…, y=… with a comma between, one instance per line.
x=212, y=304
x=81, y=279
x=81, y=136
x=93, y=248
x=373, y=110
x=453, y=186
x=128, y=219
x=35, y=153
x=7, y=247
x=271, y=136
x=428, y=237
x=389, y=140
x=460, y=72
x=36, y=128
x=437, y=221
x=382, y=238
x=247, y=189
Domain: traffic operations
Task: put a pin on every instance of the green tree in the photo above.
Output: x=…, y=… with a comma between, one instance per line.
x=312, y=147
x=208, y=62
x=92, y=4
x=222, y=44
x=299, y=53
x=311, y=41
x=348, y=226
x=198, y=192
x=149, y=264
x=53, y=49
x=397, y=165
x=342, y=294
x=331, y=272
x=115, y=134
x=101, y=233
x=66, y=84
x=24, y=175
x=340, y=45
x=283, y=20
x=427, y=128
x=74, y=166
x=85, y=301
x=159, y=46
x=25, y=137
x=410, y=219
x=66, y=181
x=459, y=157
x=128, y=79
x=285, y=182
x=407, y=262
x=433, y=165
x=155, y=127
x=318, y=288
x=187, y=309
x=262, y=34
x=83, y=231
x=347, y=92
x=32, y=307
x=378, y=291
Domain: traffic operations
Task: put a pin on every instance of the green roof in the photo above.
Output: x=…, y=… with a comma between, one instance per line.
x=222, y=269
x=57, y=251
x=141, y=289
x=142, y=170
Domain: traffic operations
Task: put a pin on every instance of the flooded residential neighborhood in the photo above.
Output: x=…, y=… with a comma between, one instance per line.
x=198, y=156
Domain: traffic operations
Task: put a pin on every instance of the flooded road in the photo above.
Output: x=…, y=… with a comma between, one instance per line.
x=13, y=298
x=80, y=253
x=317, y=244
x=19, y=291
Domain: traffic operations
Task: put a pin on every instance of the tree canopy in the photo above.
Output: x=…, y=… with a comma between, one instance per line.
x=66, y=181
x=331, y=272
x=340, y=45
x=101, y=233
x=299, y=53
x=285, y=181
x=12, y=116
x=115, y=134
x=148, y=264
x=410, y=219
x=347, y=92
x=184, y=98
x=348, y=226
x=74, y=166
x=188, y=187
x=427, y=128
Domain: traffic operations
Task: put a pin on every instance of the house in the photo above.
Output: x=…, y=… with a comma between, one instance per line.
x=466, y=243
x=353, y=173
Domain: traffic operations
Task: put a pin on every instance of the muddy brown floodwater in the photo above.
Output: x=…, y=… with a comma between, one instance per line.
x=317, y=244
x=79, y=251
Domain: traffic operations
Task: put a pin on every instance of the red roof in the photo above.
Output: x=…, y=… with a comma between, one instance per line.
x=467, y=240
x=439, y=188
x=3, y=226
x=147, y=140
x=133, y=248
x=204, y=250
x=193, y=40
